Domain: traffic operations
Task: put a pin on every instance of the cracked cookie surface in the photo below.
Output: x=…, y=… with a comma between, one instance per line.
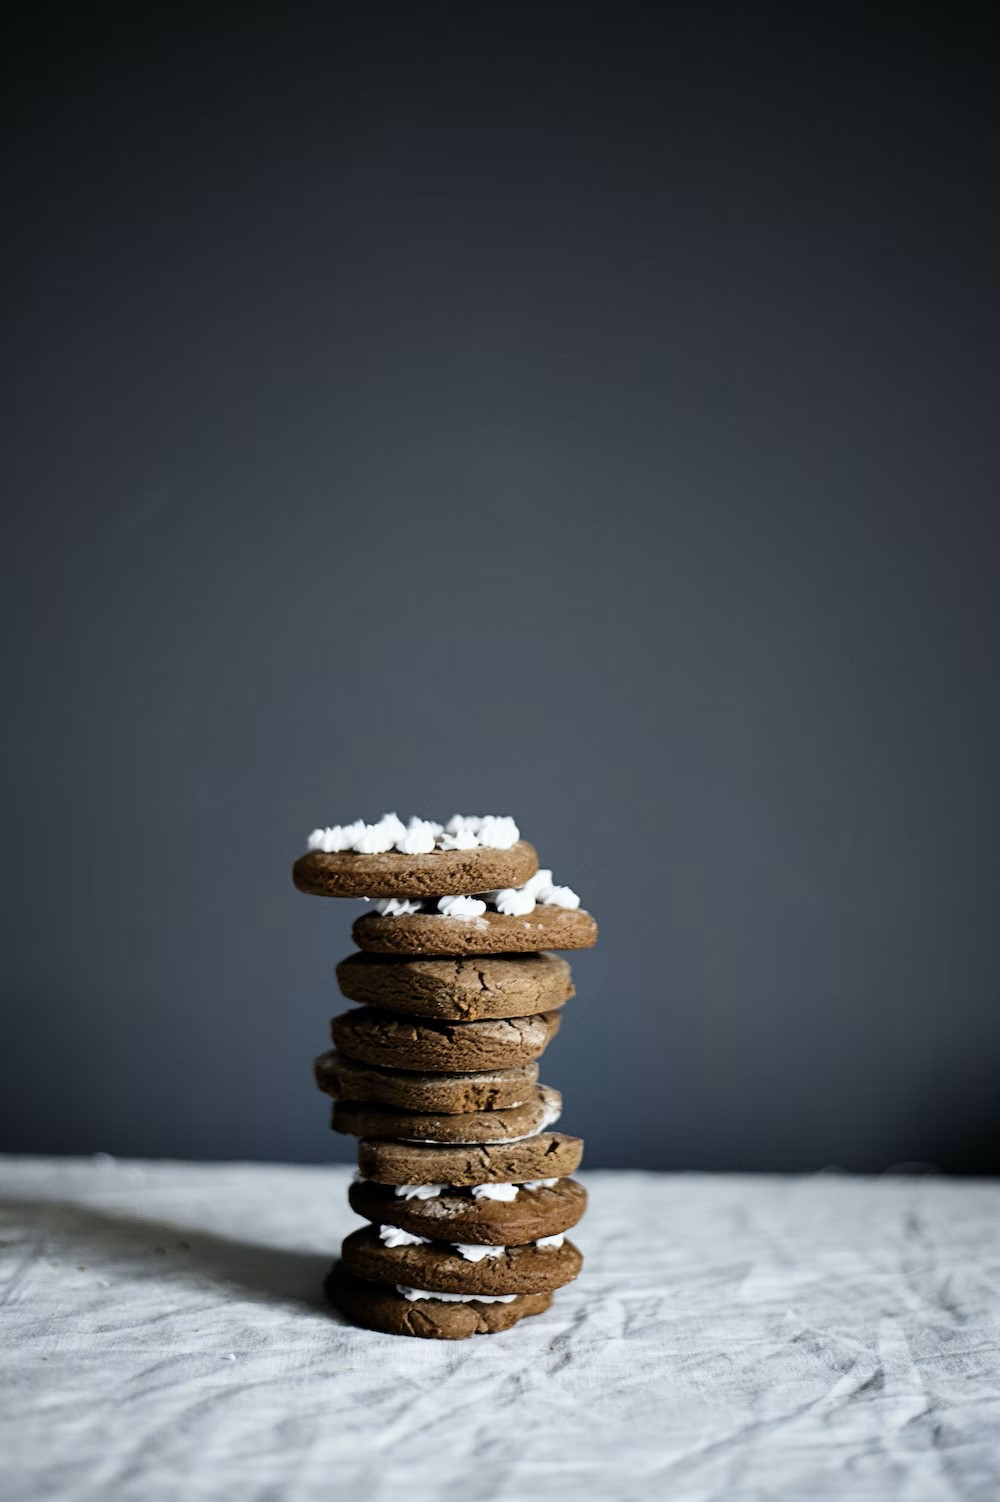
x=419, y=1043
x=363, y=1119
x=461, y=989
x=414, y=1090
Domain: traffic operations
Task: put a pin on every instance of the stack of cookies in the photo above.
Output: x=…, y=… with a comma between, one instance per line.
x=464, y=1183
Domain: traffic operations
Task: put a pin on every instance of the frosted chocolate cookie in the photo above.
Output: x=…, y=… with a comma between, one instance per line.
x=550, y=1155
x=488, y=932
x=494, y=1090
x=458, y=990
x=442, y=1047
x=367, y=1120
x=526, y=1212
x=380, y=1306
x=390, y=859
x=396, y=1257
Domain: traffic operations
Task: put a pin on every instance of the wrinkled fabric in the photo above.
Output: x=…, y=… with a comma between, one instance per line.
x=163, y=1334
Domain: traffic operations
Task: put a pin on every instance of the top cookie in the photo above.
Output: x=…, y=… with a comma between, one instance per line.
x=423, y=859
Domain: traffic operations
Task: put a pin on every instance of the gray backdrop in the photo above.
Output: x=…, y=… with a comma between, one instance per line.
x=586, y=413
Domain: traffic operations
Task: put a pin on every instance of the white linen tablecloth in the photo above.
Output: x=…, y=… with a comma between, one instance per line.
x=163, y=1335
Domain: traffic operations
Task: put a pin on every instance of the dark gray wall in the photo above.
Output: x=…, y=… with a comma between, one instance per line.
x=585, y=412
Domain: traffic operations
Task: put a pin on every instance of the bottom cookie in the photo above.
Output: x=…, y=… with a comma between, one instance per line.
x=380, y=1306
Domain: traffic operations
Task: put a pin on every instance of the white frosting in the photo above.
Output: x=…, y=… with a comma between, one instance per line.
x=419, y=836
x=455, y=1298
x=419, y=1191
x=462, y=839
x=461, y=907
x=498, y=833
x=559, y=897
x=394, y=826
x=395, y=1236
x=395, y=907
x=551, y=1112
x=463, y=821
x=539, y=1183
x=513, y=900
x=477, y=1253
x=503, y=1192
x=520, y=901
x=376, y=840
x=544, y=890
x=419, y=839
x=551, y=1241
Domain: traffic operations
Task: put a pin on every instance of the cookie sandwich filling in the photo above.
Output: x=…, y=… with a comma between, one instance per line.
x=455, y=1298
x=503, y=1193
x=396, y=1236
x=418, y=836
x=516, y=902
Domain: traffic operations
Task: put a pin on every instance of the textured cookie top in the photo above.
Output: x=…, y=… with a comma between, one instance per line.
x=417, y=1043
x=416, y=1090
x=413, y=877
x=549, y=1155
x=485, y=933
x=443, y=1213
x=443, y=1268
x=365, y=1119
x=458, y=990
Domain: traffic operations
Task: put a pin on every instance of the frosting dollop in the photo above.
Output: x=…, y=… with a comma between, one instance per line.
x=477, y=1253
x=539, y=1183
x=418, y=836
x=419, y=839
x=396, y=907
x=419, y=1191
x=461, y=907
x=396, y=1236
x=502, y=1192
x=461, y=839
x=513, y=900
x=455, y=1298
x=551, y=1241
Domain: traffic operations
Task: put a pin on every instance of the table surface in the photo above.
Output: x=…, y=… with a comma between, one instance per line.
x=163, y=1335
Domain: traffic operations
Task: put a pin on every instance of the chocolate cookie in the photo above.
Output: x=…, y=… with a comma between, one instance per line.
x=458, y=990
x=417, y=1043
x=550, y=1155
x=439, y=873
x=368, y=1120
x=491, y=933
x=380, y=1306
x=442, y=1269
x=447, y=1094
x=459, y=1215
